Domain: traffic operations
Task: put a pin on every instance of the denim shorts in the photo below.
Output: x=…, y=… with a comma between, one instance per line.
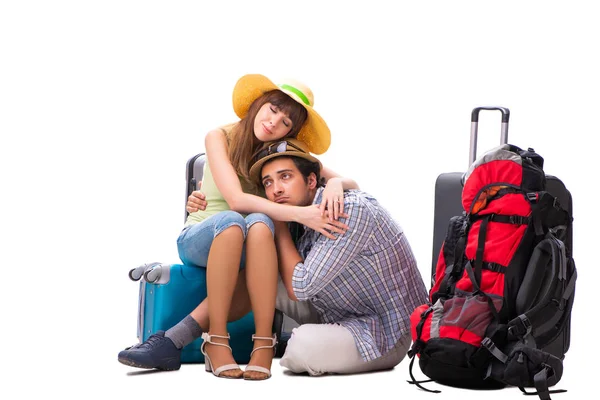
x=194, y=241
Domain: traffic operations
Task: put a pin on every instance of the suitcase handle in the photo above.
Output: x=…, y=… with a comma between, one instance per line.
x=475, y=124
x=193, y=174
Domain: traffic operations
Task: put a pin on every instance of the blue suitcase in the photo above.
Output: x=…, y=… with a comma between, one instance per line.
x=168, y=293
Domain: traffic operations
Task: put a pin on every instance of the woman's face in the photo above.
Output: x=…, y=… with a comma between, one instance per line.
x=271, y=123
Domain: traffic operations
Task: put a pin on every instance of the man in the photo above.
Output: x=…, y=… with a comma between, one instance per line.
x=353, y=295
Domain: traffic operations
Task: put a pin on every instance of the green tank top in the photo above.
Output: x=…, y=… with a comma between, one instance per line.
x=214, y=199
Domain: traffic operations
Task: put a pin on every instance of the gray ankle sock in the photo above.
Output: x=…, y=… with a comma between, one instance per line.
x=185, y=332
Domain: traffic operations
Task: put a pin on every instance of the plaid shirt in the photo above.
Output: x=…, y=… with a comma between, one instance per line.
x=367, y=280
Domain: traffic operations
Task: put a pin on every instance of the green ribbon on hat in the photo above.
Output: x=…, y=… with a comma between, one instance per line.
x=296, y=92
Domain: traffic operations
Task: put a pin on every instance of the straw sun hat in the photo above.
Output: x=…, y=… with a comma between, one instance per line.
x=314, y=133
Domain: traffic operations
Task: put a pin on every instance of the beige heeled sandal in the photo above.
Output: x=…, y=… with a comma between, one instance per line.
x=257, y=368
x=208, y=364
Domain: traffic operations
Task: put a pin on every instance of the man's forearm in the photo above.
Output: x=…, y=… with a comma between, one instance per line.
x=288, y=257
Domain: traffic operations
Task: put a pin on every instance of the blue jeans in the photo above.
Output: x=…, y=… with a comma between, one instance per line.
x=194, y=241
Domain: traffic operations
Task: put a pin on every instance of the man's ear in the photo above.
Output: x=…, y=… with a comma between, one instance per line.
x=312, y=181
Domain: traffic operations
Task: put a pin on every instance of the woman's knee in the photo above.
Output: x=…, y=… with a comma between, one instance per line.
x=230, y=219
x=260, y=219
x=195, y=241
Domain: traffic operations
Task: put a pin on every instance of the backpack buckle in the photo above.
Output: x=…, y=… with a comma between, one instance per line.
x=521, y=330
x=526, y=324
x=491, y=347
x=533, y=197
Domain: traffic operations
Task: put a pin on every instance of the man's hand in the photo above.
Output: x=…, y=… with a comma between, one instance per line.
x=196, y=201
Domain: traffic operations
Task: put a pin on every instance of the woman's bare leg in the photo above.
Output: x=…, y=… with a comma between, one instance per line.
x=240, y=305
x=221, y=278
x=261, y=279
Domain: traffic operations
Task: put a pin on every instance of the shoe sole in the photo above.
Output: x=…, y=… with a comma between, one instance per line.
x=132, y=363
x=257, y=380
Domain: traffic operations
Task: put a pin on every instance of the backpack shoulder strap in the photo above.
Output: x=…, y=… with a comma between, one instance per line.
x=453, y=252
x=545, y=297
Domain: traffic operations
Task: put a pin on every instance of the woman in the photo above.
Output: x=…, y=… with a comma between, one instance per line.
x=235, y=230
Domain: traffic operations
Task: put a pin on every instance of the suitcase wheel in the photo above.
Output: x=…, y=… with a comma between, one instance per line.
x=153, y=274
x=136, y=274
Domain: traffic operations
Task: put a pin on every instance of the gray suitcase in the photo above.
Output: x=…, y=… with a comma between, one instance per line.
x=448, y=192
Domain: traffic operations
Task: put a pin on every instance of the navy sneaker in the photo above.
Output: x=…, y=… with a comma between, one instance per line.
x=157, y=352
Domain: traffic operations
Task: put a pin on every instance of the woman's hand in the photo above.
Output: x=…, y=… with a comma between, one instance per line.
x=196, y=201
x=312, y=217
x=333, y=199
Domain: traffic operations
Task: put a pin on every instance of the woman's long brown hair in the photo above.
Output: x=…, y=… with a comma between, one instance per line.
x=243, y=144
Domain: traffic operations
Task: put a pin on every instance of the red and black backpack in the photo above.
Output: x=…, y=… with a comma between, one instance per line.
x=504, y=282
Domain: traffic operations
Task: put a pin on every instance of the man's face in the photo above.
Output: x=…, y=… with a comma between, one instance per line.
x=284, y=183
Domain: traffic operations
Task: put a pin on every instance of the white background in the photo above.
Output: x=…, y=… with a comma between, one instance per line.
x=103, y=102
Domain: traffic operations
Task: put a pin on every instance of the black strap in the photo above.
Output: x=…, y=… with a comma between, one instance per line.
x=549, y=392
x=491, y=347
x=510, y=219
x=494, y=267
x=416, y=382
x=519, y=327
x=445, y=284
x=540, y=380
x=559, y=254
x=472, y=277
x=570, y=286
x=419, y=328
x=423, y=381
x=418, y=344
x=415, y=349
x=505, y=219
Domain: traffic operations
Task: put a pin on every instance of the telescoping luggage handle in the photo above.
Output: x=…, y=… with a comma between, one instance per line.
x=474, y=126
